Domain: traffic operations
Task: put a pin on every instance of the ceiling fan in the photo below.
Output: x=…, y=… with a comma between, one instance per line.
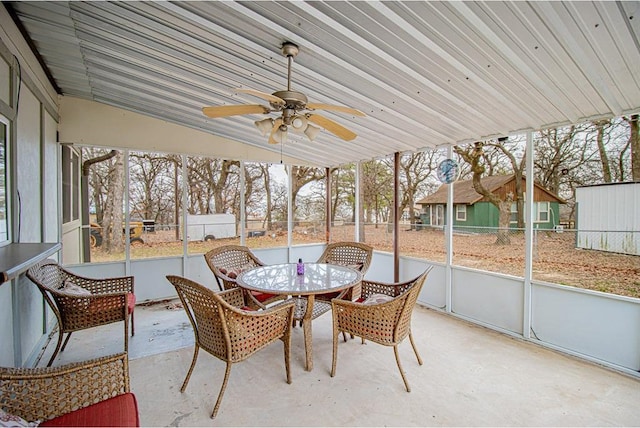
x=295, y=110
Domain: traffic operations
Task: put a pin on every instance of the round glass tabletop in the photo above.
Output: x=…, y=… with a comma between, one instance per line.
x=318, y=278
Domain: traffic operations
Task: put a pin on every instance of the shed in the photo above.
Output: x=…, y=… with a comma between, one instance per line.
x=608, y=217
x=474, y=211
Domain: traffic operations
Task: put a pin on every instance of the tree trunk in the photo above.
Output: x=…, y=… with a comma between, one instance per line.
x=634, y=138
x=504, y=215
x=113, y=227
x=604, y=160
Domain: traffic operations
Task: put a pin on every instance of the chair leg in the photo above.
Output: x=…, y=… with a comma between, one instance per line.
x=344, y=336
x=64, y=345
x=287, y=355
x=224, y=386
x=133, y=328
x=334, y=359
x=193, y=364
x=406, y=384
x=415, y=350
x=53, y=357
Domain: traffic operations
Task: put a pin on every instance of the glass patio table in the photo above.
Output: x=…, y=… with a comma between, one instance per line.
x=318, y=278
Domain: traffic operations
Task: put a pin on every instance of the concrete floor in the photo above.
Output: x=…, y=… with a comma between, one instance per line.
x=471, y=376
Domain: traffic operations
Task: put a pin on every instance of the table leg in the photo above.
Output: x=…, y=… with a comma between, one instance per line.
x=306, y=325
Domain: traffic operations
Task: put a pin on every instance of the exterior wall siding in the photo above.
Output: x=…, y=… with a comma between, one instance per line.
x=485, y=215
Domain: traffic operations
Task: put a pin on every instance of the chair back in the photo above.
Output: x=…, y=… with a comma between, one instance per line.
x=50, y=277
x=205, y=311
x=353, y=254
x=228, y=261
x=409, y=292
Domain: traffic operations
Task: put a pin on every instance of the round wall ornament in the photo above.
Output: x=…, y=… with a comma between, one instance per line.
x=448, y=171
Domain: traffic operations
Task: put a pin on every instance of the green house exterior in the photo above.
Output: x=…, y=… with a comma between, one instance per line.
x=473, y=213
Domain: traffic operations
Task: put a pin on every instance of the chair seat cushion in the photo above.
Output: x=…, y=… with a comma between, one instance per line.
x=131, y=302
x=261, y=297
x=374, y=299
x=119, y=411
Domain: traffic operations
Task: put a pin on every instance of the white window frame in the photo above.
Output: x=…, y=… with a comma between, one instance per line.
x=539, y=210
x=513, y=215
x=461, y=212
x=437, y=215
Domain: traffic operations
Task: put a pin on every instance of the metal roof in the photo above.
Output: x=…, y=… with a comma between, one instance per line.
x=427, y=74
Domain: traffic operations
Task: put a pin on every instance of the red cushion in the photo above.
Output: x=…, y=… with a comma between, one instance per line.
x=261, y=297
x=131, y=302
x=119, y=411
x=360, y=300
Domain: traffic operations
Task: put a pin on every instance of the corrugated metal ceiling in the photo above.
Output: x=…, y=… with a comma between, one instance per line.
x=426, y=73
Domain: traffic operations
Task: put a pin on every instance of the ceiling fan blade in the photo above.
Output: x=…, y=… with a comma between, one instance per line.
x=276, y=125
x=333, y=127
x=263, y=95
x=330, y=107
x=233, y=110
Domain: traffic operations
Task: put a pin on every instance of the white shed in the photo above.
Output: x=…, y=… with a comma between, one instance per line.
x=608, y=217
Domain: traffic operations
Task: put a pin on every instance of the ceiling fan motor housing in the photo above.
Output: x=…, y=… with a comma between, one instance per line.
x=293, y=100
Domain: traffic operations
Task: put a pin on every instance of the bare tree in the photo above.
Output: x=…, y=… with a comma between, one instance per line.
x=634, y=142
x=112, y=221
x=600, y=126
x=343, y=192
x=300, y=177
x=510, y=151
x=473, y=155
x=377, y=190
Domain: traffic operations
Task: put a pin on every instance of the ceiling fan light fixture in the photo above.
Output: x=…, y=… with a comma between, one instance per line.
x=281, y=135
x=299, y=123
x=264, y=126
x=311, y=132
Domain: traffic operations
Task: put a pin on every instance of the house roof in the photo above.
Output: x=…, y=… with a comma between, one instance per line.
x=427, y=74
x=464, y=193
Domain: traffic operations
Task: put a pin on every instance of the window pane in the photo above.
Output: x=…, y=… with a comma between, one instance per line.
x=213, y=198
x=67, y=198
x=309, y=205
x=592, y=240
x=268, y=208
x=154, y=204
x=343, y=214
x=4, y=220
x=106, y=204
x=75, y=185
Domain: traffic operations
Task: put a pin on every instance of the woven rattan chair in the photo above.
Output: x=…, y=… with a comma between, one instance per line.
x=353, y=254
x=103, y=301
x=387, y=323
x=71, y=394
x=227, y=262
x=228, y=332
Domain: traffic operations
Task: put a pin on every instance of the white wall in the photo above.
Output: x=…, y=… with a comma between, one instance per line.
x=22, y=313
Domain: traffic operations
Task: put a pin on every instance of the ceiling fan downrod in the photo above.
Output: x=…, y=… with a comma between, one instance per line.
x=290, y=50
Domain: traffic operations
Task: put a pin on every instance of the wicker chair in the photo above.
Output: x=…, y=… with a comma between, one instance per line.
x=100, y=301
x=353, y=254
x=228, y=332
x=385, y=323
x=227, y=262
x=90, y=393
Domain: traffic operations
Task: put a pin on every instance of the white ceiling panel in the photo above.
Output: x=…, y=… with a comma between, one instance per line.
x=427, y=74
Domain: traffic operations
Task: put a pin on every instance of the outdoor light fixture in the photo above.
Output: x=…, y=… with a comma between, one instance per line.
x=298, y=123
x=311, y=132
x=264, y=125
